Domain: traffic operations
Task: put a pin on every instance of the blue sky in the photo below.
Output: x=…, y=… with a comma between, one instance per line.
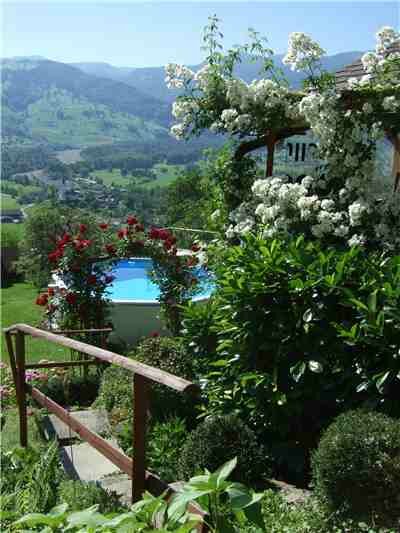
x=139, y=34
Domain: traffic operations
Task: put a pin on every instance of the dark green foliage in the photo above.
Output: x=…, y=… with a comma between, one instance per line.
x=17, y=159
x=43, y=226
x=356, y=468
x=116, y=393
x=29, y=479
x=72, y=388
x=80, y=494
x=303, y=334
x=216, y=440
x=164, y=448
x=169, y=354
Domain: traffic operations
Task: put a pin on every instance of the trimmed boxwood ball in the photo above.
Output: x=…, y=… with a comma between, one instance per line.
x=217, y=440
x=356, y=468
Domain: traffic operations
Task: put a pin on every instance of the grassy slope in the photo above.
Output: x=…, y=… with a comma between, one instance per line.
x=11, y=234
x=18, y=305
x=8, y=203
x=166, y=174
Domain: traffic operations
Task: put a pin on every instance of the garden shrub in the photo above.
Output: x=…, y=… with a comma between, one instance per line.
x=356, y=468
x=115, y=393
x=71, y=388
x=29, y=480
x=80, y=494
x=168, y=354
x=164, y=448
x=216, y=440
x=304, y=332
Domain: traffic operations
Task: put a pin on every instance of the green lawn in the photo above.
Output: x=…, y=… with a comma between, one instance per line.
x=18, y=306
x=8, y=203
x=11, y=234
x=165, y=173
x=112, y=176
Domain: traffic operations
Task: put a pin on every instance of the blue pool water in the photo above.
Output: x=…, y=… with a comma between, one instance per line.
x=132, y=282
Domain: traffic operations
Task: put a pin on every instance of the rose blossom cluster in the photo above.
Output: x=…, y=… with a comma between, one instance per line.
x=302, y=51
x=380, y=62
x=281, y=207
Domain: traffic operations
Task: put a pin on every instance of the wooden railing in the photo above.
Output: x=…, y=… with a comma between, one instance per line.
x=143, y=376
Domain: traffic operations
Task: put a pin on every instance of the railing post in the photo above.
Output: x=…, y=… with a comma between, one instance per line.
x=21, y=389
x=141, y=391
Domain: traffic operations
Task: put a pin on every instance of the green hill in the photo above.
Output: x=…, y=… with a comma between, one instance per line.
x=55, y=103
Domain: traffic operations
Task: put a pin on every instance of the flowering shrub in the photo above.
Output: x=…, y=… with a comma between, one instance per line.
x=83, y=302
x=343, y=203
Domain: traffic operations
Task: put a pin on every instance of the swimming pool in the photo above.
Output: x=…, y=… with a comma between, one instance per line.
x=135, y=310
x=132, y=282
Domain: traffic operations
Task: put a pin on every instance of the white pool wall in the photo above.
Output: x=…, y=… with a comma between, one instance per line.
x=134, y=319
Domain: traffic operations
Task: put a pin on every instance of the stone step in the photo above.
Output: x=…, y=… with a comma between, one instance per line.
x=82, y=461
x=94, y=419
x=119, y=483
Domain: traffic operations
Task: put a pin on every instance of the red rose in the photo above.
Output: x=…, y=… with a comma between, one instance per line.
x=71, y=298
x=92, y=279
x=110, y=249
x=121, y=234
x=55, y=256
x=82, y=228
x=66, y=238
x=195, y=248
x=164, y=234
x=50, y=291
x=103, y=226
x=131, y=221
x=81, y=244
x=154, y=233
x=42, y=299
x=154, y=334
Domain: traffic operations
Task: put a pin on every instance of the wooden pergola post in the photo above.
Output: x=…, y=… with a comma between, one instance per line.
x=271, y=140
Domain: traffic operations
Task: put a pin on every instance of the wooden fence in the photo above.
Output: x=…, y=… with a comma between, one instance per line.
x=143, y=376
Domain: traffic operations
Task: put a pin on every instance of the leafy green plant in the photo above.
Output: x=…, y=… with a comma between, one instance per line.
x=164, y=448
x=115, y=393
x=215, y=440
x=169, y=354
x=29, y=481
x=303, y=332
x=219, y=498
x=79, y=495
x=356, y=468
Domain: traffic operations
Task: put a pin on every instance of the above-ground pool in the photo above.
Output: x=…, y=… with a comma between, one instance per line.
x=133, y=283
x=135, y=309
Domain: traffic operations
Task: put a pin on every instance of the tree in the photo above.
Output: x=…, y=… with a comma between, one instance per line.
x=43, y=226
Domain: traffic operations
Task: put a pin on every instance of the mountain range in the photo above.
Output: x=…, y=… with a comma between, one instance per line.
x=82, y=104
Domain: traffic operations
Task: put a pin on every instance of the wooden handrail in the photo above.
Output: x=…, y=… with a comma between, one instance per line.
x=143, y=375
x=149, y=372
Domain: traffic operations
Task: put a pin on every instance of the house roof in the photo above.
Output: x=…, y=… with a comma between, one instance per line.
x=355, y=70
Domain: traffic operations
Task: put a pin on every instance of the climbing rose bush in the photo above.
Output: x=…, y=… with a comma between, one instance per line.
x=343, y=202
x=83, y=302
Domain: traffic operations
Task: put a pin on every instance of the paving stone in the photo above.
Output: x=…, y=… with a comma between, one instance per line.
x=119, y=483
x=94, y=419
x=82, y=461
